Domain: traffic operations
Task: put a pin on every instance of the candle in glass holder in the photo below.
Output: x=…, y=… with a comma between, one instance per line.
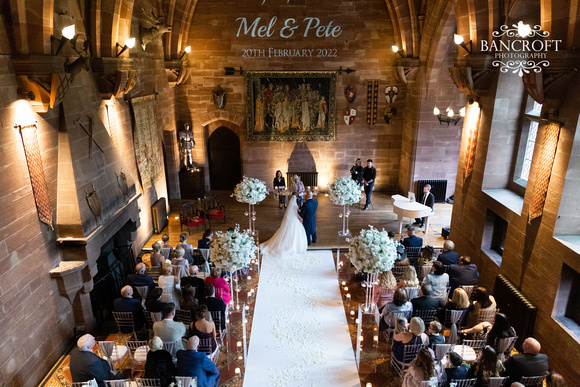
x=346, y=288
x=237, y=371
x=343, y=283
x=352, y=314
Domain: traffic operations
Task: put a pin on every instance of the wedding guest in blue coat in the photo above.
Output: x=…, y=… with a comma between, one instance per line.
x=197, y=364
x=308, y=215
x=448, y=256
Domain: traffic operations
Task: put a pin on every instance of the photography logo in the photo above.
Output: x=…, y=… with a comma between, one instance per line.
x=521, y=48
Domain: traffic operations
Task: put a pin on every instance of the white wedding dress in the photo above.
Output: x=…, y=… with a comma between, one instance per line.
x=290, y=238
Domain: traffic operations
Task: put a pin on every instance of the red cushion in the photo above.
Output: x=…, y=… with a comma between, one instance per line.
x=215, y=213
x=195, y=221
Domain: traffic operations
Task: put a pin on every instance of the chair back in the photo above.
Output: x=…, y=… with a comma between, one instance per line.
x=172, y=347
x=427, y=315
x=138, y=353
x=90, y=383
x=533, y=381
x=206, y=344
x=464, y=382
x=432, y=383
x=505, y=345
x=413, y=253
x=165, y=251
x=497, y=381
x=487, y=315
x=143, y=291
x=398, y=271
x=112, y=352
x=470, y=290
x=183, y=316
x=186, y=381
x=423, y=271
x=125, y=322
x=167, y=295
x=477, y=345
x=204, y=254
x=411, y=293
x=154, y=272
x=147, y=382
x=441, y=350
x=410, y=352
x=217, y=316
x=455, y=317
x=117, y=383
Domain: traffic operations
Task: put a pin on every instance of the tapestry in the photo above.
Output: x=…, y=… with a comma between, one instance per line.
x=372, y=102
x=545, y=164
x=291, y=105
x=146, y=138
x=472, y=124
x=36, y=171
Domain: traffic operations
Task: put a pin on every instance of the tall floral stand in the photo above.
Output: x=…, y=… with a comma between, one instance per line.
x=345, y=214
x=369, y=285
x=251, y=214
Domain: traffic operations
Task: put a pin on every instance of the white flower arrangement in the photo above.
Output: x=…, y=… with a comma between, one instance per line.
x=344, y=191
x=232, y=250
x=250, y=190
x=372, y=251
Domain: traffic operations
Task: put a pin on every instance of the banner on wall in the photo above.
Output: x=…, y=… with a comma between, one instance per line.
x=146, y=140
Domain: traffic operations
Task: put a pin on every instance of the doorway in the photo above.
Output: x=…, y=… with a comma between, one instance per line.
x=225, y=165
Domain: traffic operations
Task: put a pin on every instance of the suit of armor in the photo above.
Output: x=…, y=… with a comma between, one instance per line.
x=186, y=144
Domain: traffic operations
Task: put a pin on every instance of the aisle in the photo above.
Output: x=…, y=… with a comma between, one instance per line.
x=299, y=333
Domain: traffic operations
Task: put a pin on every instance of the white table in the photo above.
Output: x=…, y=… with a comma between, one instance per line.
x=405, y=208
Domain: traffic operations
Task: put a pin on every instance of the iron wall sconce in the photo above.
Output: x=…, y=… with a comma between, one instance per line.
x=458, y=39
x=450, y=116
x=129, y=43
x=398, y=51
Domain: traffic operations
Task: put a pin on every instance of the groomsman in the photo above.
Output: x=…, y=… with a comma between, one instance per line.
x=428, y=200
x=369, y=176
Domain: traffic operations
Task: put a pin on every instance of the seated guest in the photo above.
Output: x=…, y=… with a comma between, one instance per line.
x=501, y=329
x=192, y=280
x=187, y=247
x=157, y=258
x=426, y=258
x=448, y=256
x=529, y=363
x=202, y=327
x=126, y=303
x=153, y=302
x=483, y=300
x=439, y=281
x=401, y=259
x=463, y=274
x=187, y=300
x=385, y=290
x=412, y=240
x=214, y=304
x=85, y=365
x=167, y=282
x=221, y=286
x=166, y=246
x=139, y=279
x=422, y=369
x=459, y=301
x=399, y=304
x=457, y=370
x=425, y=301
x=434, y=335
x=555, y=380
x=476, y=332
x=486, y=367
x=197, y=365
x=206, y=240
x=168, y=330
x=159, y=364
x=416, y=335
x=180, y=262
x=409, y=278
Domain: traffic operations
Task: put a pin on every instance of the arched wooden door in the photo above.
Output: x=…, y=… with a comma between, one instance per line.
x=225, y=165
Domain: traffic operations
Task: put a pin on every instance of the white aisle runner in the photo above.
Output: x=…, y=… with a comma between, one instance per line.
x=300, y=335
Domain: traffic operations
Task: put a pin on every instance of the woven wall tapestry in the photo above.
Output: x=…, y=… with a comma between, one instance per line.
x=372, y=101
x=545, y=164
x=472, y=125
x=36, y=171
x=146, y=139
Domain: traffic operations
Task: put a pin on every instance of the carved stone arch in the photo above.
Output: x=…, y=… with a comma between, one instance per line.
x=217, y=118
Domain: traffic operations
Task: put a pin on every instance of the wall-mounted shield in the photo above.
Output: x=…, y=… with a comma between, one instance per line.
x=350, y=94
x=349, y=115
x=391, y=93
x=219, y=97
x=389, y=113
x=93, y=202
x=122, y=181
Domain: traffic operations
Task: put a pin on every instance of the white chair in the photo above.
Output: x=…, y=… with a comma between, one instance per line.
x=441, y=350
x=533, y=381
x=427, y=315
x=172, y=347
x=391, y=319
x=167, y=295
x=464, y=382
x=505, y=345
x=90, y=383
x=477, y=345
x=154, y=272
x=217, y=317
x=423, y=271
x=398, y=271
x=455, y=317
x=432, y=383
x=117, y=383
x=142, y=382
x=469, y=289
x=112, y=353
x=137, y=354
x=410, y=352
x=497, y=381
x=205, y=255
x=487, y=315
x=411, y=293
x=186, y=381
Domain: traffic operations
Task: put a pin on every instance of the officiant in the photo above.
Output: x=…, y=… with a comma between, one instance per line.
x=280, y=185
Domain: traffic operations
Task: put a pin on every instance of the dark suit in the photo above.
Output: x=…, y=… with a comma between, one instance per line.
x=525, y=364
x=85, y=365
x=428, y=200
x=204, y=243
x=448, y=258
x=308, y=215
x=426, y=303
x=130, y=304
x=215, y=304
x=456, y=373
x=462, y=275
x=139, y=280
x=197, y=283
x=159, y=365
x=412, y=241
x=368, y=175
x=436, y=339
x=281, y=183
x=154, y=306
x=197, y=364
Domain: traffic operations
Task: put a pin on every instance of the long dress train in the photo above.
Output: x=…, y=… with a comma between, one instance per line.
x=290, y=238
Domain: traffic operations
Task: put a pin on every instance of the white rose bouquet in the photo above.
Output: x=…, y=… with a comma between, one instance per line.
x=344, y=191
x=250, y=190
x=372, y=251
x=232, y=250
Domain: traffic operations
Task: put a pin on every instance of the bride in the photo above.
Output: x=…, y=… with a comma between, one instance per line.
x=290, y=238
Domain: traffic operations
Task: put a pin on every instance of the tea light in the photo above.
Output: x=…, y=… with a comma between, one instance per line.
x=247, y=308
x=346, y=288
x=245, y=321
x=348, y=296
x=237, y=371
x=240, y=357
x=369, y=385
x=376, y=338
x=238, y=307
x=352, y=314
x=227, y=320
x=343, y=283
x=239, y=344
x=361, y=338
x=356, y=321
x=249, y=278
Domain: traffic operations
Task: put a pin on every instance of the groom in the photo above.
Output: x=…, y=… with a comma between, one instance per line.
x=308, y=215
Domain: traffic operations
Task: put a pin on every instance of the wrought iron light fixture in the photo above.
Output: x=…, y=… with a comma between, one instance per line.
x=458, y=39
x=187, y=50
x=398, y=51
x=129, y=43
x=450, y=116
x=68, y=35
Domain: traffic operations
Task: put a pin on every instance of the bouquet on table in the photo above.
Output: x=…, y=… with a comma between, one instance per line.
x=343, y=191
x=372, y=251
x=232, y=250
x=250, y=190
